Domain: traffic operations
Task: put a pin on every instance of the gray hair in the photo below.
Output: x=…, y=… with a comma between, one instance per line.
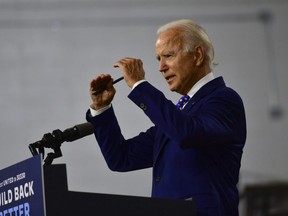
x=193, y=35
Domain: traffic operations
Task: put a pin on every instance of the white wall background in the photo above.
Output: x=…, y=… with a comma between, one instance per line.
x=49, y=51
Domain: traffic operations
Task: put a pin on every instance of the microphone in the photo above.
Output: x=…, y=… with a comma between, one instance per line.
x=57, y=137
x=77, y=132
x=102, y=88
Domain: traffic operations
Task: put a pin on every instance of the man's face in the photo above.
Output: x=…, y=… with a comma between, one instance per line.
x=177, y=66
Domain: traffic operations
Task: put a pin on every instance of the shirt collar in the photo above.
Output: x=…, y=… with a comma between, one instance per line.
x=204, y=80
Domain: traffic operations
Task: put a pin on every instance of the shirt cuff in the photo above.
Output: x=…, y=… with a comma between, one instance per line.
x=98, y=112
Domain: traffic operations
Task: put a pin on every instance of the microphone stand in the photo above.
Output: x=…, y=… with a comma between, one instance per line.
x=50, y=140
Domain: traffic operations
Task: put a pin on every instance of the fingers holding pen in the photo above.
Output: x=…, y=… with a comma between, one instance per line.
x=102, y=91
x=132, y=70
x=100, y=81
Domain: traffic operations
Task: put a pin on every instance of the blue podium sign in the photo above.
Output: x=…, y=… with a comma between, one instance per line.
x=22, y=189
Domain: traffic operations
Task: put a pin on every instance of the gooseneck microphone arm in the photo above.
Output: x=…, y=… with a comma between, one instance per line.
x=56, y=138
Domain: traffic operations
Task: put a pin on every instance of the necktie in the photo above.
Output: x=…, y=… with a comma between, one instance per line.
x=183, y=100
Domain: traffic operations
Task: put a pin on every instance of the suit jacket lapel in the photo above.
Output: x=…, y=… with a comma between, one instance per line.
x=203, y=91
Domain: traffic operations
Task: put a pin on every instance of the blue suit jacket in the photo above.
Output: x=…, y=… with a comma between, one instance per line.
x=195, y=153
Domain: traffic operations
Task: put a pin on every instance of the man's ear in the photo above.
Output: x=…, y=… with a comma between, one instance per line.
x=199, y=55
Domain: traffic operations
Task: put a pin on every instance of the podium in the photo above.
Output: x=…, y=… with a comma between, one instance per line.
x=31, y=188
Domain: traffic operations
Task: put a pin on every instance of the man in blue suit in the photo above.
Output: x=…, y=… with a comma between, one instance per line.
x=195, y=148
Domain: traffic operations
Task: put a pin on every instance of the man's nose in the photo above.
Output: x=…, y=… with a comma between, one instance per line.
x=163, y=67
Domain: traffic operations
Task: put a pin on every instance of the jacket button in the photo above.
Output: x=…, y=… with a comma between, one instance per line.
x=143, y=106
x=157, y=178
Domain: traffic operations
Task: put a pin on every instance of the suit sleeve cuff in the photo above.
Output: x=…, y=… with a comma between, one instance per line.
x=137, y=83
x=98, y=112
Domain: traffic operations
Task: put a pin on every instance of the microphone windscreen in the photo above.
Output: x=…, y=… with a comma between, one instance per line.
x=84, y=129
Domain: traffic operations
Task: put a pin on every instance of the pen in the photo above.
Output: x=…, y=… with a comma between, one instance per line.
x=117, y=80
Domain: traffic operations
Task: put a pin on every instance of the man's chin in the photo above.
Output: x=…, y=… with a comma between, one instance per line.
x=172, y=89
